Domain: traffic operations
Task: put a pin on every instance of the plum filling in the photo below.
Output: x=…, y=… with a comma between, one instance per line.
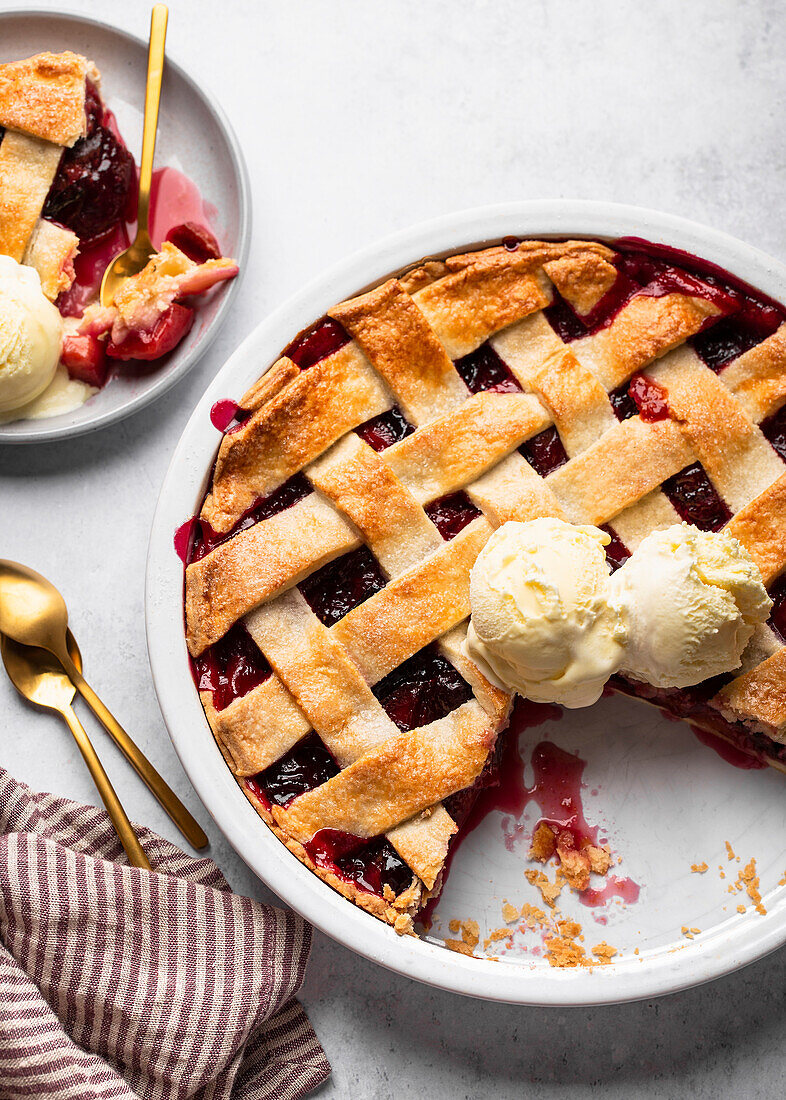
x=544, y=451
x=484, y=370
x=95, y=182
x=774, y=429
x=451, y=514
x=204, y=538
x=336, y=588
x=423, y=689
x=386, y=429
x=778, y=613
x=317, y=343
x=230, y=668
x=695, y=499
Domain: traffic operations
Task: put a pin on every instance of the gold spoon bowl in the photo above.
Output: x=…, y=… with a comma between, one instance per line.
x=39, y=678
x=33, y=613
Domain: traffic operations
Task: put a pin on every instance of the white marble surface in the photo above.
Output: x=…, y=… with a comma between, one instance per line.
x=359, y=118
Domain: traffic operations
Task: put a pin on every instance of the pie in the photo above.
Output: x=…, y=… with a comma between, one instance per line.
x=67, y=193
x=326, y=585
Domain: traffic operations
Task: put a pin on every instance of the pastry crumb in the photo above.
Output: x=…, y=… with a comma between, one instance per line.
x=742, y=909
x=544, y=843
x=730, y=851
x=460, y=947
x=498, y=934
x=604, y=952
x=699, y=868
x=549, y=890
x=509, y=912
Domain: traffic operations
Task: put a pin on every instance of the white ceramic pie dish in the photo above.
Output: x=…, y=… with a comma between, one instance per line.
x=195, y=137
x=664, y=800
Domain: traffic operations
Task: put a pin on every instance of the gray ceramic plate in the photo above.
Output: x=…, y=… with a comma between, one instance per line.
x=194, y=137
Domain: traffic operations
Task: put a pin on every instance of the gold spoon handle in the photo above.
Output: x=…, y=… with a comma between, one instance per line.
x=123, y=827
x=155, y=73
x=187, y=824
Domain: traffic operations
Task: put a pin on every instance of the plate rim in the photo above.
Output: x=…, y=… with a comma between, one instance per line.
x=733, y=944
x=240, y=169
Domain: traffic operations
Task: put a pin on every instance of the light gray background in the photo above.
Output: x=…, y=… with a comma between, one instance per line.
x=357, y=119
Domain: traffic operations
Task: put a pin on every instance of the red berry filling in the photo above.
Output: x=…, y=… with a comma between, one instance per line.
x=317, y=343
x=370, y=864
x=343, y=584
x=95, y=182
x=484, y=370
x=307, y=765
x=650, y=398
x=196, y=241
x=423, y=689
x=386, y=429
x=617, y=552
x=774, y=429
x=544, y=451
x=231, y=667
x=778, y=613
x=622, y=403
x=451, y=514
x=695, y=499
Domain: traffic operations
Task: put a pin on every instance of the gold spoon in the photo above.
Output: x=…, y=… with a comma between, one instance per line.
x=37, y=676
x=133, y=259
x=33, y=613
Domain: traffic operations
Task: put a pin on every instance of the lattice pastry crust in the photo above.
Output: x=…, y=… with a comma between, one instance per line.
x=408, y=346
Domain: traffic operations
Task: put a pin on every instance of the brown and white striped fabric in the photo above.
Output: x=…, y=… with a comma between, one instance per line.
x=118, y=983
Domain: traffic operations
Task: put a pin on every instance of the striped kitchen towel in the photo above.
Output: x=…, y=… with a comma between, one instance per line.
x=121, y=983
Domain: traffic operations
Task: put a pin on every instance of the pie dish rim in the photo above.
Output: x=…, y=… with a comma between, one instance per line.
x=727, y=947
x=182, y=359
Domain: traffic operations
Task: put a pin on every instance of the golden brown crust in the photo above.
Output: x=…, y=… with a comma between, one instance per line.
x=44, y=96
x=760, y=528
x=582, y=280
x=414, y=609
x=364, y=487
x=258, y=563
x=272, y=382
x=576, y=400
x=622, y=467
x=258, y=728
x=398, y=342
x=738, y=459
x=292, y=429
x=758, y=378
x=641, y=332
x=396, y=780
x=465, y=307
x=27, y=168
x=51, y=250
x=759, y=695
x=448, y=453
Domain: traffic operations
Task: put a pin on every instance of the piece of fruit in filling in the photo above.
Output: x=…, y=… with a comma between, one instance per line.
x=147, y=317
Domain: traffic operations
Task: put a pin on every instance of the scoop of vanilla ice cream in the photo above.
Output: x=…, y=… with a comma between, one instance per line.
x=543, y=622
x=30, y=335
x=692, y=599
